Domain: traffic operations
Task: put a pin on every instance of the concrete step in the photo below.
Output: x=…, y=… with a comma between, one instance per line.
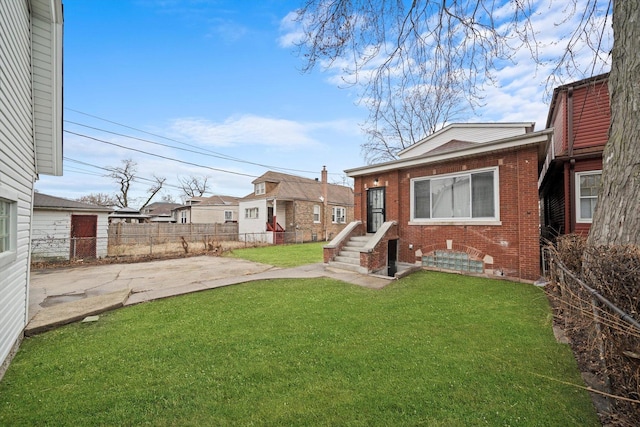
x=363, y=239
x=352, y=244
x=345, y=266
x=350, y=254
x=348, y=260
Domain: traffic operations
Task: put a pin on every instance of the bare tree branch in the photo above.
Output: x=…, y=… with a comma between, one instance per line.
x=194, y=186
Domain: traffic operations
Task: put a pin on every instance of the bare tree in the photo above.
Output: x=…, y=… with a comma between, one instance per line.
x=99, y=199
x=399, y=46
x=167, y=198
x=124, y=176
x=194, y=186
x=154, y=189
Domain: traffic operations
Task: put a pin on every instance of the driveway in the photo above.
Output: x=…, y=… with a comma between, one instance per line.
x=54, y=286
x=60, y=296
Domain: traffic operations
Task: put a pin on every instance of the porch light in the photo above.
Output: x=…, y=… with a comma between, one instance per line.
x=376, y=182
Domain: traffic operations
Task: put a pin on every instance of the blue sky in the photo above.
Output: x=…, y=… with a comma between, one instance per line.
x=218, y=77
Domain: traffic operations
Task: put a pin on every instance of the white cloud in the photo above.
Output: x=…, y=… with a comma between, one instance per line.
x=523, y=86
x=292, y=31
x=246, y=130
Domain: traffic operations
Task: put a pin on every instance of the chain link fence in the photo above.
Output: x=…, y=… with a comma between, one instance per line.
x=145, y=240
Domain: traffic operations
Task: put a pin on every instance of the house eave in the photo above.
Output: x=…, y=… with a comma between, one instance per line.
x=51, y=208
x=466, y=125
x=539, y=138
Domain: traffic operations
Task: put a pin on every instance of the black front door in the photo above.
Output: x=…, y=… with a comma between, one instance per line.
x=375, y=209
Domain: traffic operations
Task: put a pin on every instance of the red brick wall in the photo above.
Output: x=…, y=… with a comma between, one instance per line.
x=514, y=245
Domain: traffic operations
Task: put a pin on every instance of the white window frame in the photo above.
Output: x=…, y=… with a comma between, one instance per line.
x=10, y=254
x=316, y=214
x=249, y=213
x=336, y=217
x=579, y=218
x=495, y=220
x=183, y=216
x=260, y=188
x=228, y=216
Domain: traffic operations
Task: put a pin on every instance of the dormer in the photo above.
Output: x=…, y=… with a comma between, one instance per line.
x=260, y=188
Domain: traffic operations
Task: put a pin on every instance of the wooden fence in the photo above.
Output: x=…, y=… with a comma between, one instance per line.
x=135, y=234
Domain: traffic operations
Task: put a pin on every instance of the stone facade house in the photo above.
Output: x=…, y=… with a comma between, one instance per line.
x=288, y=208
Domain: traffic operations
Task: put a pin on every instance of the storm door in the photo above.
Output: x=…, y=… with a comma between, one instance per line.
x=375, y=209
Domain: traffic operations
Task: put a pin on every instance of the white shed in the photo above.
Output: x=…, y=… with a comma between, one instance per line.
x=65, y=229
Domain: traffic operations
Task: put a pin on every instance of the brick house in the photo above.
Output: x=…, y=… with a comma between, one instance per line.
x=287, y=208
x=570, y=175
x=463, y=199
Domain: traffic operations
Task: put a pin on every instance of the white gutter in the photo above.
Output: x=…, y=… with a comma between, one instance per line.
x=534, y=138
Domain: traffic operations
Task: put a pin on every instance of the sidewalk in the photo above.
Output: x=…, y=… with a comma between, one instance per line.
x=59, y=297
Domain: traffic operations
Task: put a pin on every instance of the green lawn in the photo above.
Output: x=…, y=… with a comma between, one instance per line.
x=432, y=349
x=282, y=255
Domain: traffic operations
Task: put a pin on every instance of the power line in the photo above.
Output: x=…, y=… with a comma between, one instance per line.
x=106, y=169
x=160, y=156
x=212, y=153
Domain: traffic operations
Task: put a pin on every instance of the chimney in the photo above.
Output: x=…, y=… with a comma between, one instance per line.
x=325, y=188
x=325, y=202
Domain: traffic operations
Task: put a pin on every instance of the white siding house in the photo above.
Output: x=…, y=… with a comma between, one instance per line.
x=253, y=217
x=30, y=143
x=64, y=229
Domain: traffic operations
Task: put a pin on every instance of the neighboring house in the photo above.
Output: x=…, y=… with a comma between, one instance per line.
x=128, y=215
x=570, y=177
x=30, y=143
x=286, y=208
x=64, y=229
x=207, y=210
x=463, y=199
x=160, y=211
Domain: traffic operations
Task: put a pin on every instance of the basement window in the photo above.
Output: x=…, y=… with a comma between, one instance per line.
x=452, y=260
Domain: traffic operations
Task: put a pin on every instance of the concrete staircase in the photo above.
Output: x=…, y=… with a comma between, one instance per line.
x=349, y=256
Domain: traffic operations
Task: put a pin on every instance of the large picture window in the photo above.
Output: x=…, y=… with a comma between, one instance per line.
x=587, y=184
x=467, y=196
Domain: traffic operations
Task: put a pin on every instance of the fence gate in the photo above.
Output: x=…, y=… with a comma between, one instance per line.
x=84, y=230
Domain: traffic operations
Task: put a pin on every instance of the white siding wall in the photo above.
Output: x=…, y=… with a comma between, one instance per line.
x=466, y=132
x=17, y=165
x=17, y=145
x=247, y=226
x=56, y=224
x=281, y=214
x=212, y=214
